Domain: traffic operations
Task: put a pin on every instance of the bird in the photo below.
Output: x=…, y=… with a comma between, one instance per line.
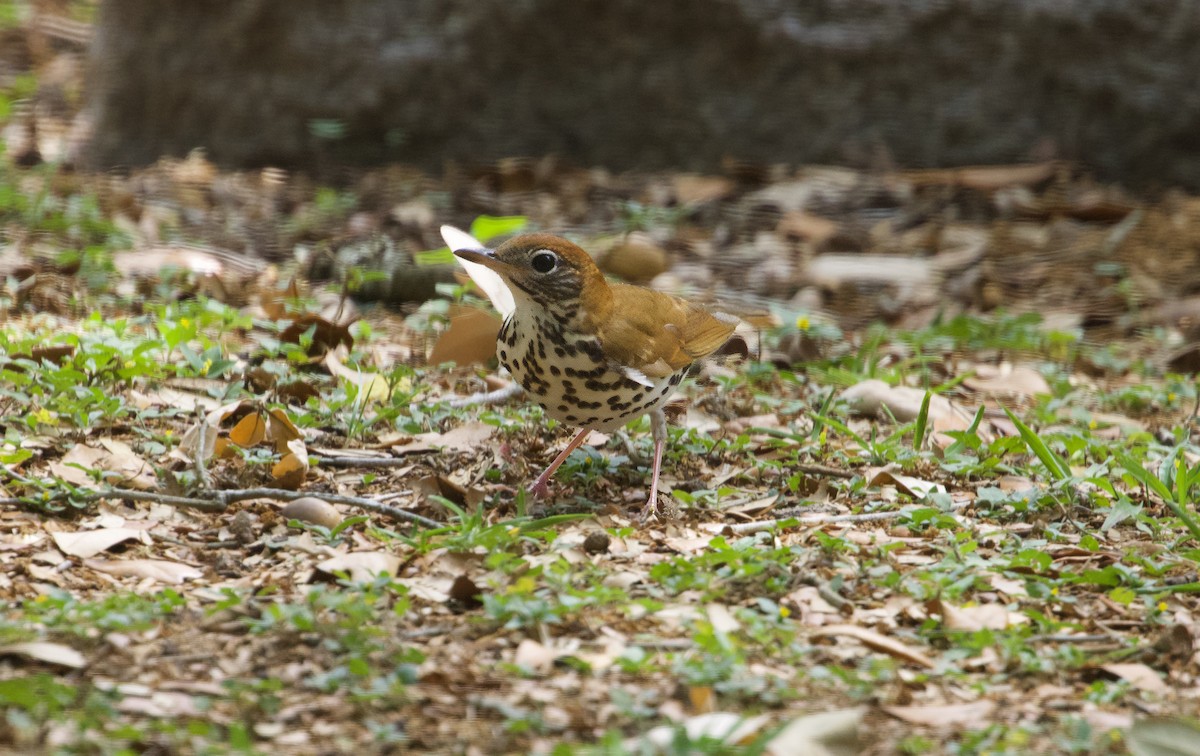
x=593, y=354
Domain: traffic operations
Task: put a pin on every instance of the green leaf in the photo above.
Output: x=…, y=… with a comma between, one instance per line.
x=440, y=256
x=349, y=522
x=922, y=423
x=1122, y=595
x=1147, y=479
x=1057, y=467
x=488, y=227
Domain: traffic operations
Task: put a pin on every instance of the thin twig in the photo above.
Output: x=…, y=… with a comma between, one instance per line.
x=371, y=505
x=502, y=394
x=831, y=472
x=219, y=501
x=364, y=461
x=761, y=525
x=1072, y=638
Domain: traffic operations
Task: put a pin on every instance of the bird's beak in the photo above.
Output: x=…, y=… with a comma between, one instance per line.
x=486, y=258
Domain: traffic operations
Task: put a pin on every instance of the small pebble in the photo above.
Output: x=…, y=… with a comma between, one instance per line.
x=596, y=543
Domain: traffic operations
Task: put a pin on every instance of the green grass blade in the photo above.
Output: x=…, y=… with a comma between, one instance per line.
x=922, y=423
x=1054, y=464
x=1152, y=482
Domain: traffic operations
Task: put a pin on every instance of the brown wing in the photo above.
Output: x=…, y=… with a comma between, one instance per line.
x=657, y=334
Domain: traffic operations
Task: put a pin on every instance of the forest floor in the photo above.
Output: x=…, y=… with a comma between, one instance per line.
x=947, y=510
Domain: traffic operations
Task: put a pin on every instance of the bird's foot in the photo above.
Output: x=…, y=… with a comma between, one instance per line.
x=648, y=511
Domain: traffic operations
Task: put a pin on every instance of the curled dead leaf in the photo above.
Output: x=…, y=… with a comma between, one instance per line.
x=362, y=566
x=289, y=472
x=89, y=543
x=469, y=340
x=281, y=429
x=161, y=570
x=249, y=431
x=974, y=618
x=877, y=642
x=1138, y=675
x=947, y=715
x=826, y=733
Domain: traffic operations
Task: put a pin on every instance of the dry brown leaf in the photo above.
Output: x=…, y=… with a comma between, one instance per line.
x=828, y=733
x=535, y=657
x=1138, y=675
x=166, y=396
x=218, y=416
x=722, y=726
x=1007, y=380
x=171, y=573
x=948, y=715
x=54, y=354
x=808, y=227
x=89, y=543
x=43, y=651
x=80, y=456
x=362, y=566
x=434, y=590
x=199, y=442
x=469, y=340
x=281, y=429
x=161, y=704
x=249, y=431
x=975, y=618
x=326, y=337
x=877, y=642
x=297, y=392
x=871, y=396
x=702, y=699
x=914, y=487
x=134, y=471
x=696, y=189
x=467, y=437
x=289, y=472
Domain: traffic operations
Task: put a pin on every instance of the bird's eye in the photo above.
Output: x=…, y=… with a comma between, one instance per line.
x=544, y=262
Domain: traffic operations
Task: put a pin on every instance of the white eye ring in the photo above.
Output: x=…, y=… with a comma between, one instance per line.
x=543, y=261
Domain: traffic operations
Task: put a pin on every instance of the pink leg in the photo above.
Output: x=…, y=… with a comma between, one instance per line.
x=658, y=427
x=540, y=489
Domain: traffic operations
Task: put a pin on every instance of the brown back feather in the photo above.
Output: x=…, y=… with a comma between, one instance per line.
x=658, y=334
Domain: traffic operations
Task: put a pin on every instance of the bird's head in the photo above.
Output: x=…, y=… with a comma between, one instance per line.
x=544, y=269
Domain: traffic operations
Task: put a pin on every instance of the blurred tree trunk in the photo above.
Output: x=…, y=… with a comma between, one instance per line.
x=670, y=83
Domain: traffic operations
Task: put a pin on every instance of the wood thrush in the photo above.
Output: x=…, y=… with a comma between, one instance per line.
x=593, y=354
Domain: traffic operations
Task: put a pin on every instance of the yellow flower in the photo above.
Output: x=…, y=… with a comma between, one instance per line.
x=802, y=323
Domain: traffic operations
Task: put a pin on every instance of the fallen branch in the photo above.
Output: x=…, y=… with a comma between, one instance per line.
x=219, y=501
x=745, y=528
x=366, y=461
